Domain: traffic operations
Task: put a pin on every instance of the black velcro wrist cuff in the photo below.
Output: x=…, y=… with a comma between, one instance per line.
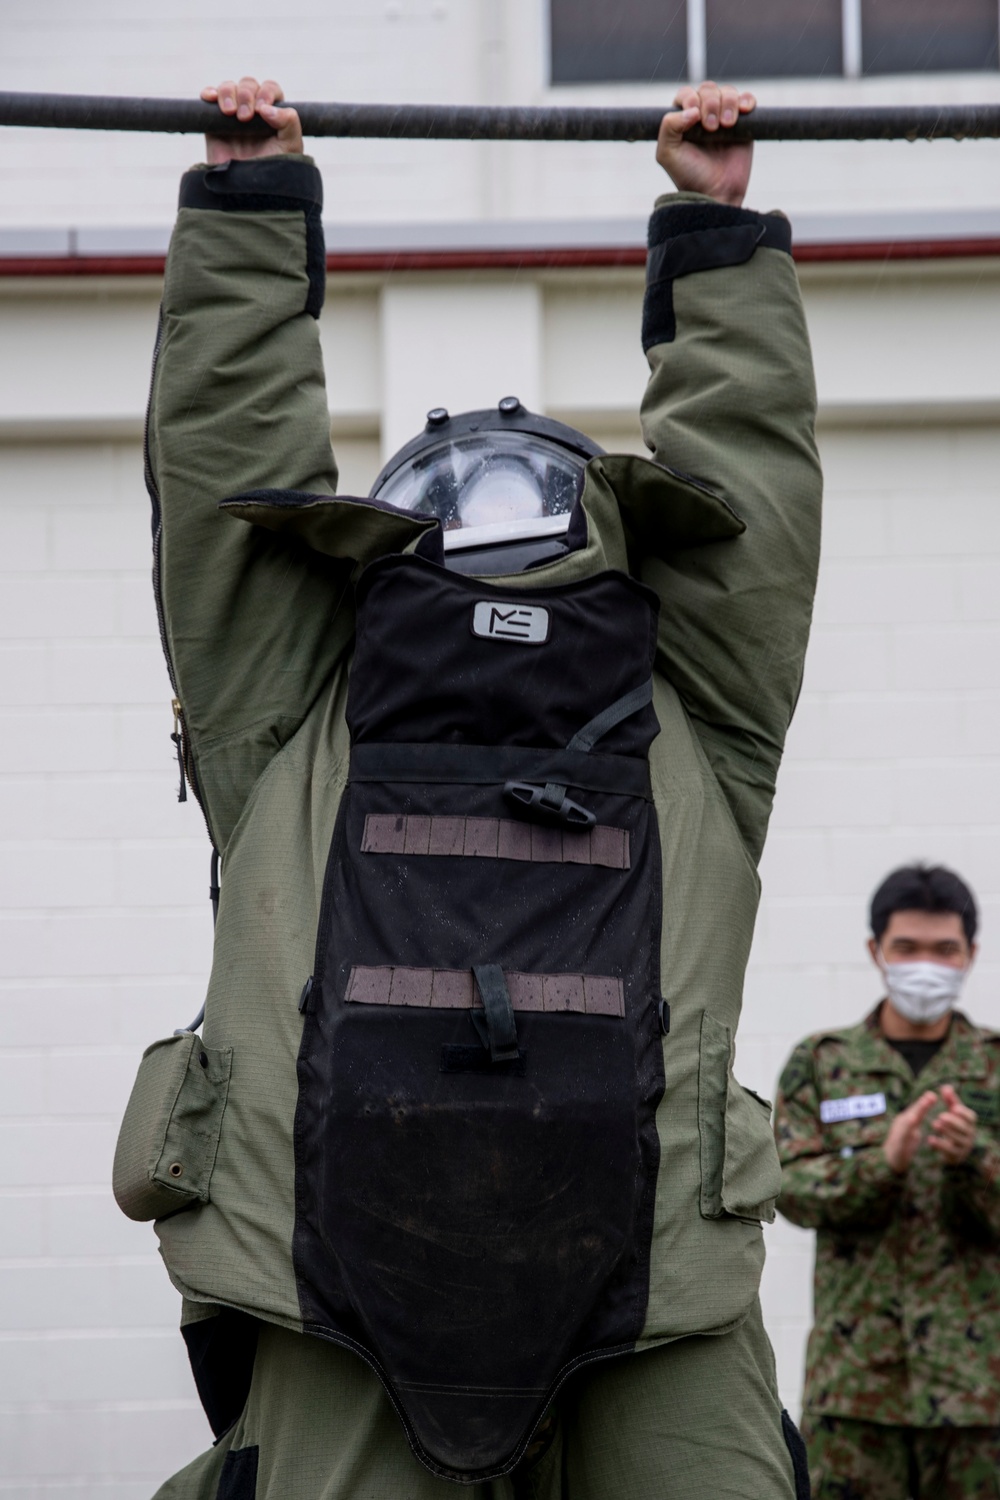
x=260, y=185
x=267, y=184
x=690, y=237
x=672, y=220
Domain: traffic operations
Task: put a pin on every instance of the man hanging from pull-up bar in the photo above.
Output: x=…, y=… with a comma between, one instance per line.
x=459, y=1168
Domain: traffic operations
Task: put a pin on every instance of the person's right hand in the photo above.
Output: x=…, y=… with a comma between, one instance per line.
x=904, y=1133
x=243, y=100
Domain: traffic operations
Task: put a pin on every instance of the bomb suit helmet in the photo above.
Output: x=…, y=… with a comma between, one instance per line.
x=503, y=482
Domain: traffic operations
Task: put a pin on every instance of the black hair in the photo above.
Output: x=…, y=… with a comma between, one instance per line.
x=923, y=888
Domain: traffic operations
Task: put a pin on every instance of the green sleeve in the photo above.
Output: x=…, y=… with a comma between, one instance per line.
x=731, y=402
x=820, y=1189
x=252, y=623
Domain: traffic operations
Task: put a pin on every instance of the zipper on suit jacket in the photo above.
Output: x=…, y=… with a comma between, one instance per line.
x=180, y=737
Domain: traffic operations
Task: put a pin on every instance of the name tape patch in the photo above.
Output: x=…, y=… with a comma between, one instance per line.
x=501, y=621
x=854, y=1107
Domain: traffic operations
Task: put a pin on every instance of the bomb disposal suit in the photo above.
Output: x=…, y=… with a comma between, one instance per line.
x=489, y=821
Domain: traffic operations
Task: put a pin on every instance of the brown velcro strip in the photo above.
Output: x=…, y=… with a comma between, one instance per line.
x=454, y=989
x=495, y=838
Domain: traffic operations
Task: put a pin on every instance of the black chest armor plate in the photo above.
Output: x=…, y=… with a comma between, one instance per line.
x=476, y=1150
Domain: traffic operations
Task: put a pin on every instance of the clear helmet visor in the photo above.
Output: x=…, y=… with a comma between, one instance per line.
x=489, y=486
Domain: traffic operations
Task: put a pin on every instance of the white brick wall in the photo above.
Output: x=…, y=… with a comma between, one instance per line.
x=425, y=347
x=104, y=943
x=892, y=756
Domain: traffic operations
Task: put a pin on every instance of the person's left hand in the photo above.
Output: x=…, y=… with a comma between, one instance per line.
x=719, y=170
x=953, y=1133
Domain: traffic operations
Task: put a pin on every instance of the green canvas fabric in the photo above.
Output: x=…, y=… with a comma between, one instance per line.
x=258, y=620
x=697, y=1420
x=907, y=1302
x=170, y=1133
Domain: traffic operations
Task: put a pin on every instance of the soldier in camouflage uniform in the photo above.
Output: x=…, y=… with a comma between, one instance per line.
x=889, y=1139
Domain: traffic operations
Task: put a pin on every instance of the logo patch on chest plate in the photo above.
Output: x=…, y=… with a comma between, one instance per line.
x=507, y=621
x=854, y=1107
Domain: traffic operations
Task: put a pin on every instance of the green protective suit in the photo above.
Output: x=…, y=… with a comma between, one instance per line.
x=256, y=604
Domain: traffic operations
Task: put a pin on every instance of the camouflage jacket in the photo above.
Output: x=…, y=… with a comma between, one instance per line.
x=907, y=1292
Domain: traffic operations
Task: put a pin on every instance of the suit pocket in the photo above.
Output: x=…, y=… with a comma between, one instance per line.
x=170, y=1134
x=740, y=1173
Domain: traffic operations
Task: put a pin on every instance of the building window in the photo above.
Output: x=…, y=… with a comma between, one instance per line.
x=779, y=39
x=928, y=36
x=630, y=41
x=664, y=41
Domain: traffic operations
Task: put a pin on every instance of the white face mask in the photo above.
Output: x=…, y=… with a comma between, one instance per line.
x=922, y=992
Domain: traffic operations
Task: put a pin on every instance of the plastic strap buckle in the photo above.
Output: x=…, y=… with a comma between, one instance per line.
x=549, y=802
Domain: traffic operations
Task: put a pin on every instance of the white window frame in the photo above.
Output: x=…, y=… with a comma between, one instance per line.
x=850, y=32
x=697, y=39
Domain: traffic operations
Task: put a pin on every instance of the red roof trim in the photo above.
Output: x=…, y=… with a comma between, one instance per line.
x=82, y=265
x=900, y=250
x=382, y=262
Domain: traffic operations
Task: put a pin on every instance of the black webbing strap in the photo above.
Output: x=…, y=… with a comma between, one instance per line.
x=485, y=765
x=500, y=1026
x=554, y=796
x=623, y=708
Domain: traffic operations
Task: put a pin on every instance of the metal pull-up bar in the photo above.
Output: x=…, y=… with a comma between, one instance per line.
x=472, y=123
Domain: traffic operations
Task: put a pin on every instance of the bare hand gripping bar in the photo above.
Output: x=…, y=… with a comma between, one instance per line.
x=472, y=123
